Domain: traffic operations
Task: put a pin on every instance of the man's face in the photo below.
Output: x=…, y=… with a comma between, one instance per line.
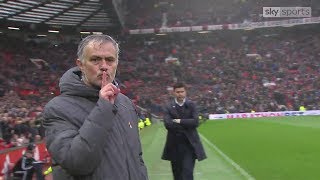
x=98, y=58
x=180, y=93
x=29, y=154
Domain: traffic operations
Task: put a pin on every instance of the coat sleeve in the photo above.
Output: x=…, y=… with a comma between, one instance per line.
x=24, y=165
x=193, y=121
x=77, y=150
x=142, y=168
x=168, y=121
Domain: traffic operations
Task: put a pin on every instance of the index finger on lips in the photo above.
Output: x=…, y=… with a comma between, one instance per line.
x=104, y=79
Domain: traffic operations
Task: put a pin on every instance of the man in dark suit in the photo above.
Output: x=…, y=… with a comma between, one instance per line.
x=183, y=144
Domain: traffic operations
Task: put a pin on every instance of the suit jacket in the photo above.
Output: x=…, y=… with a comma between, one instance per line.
x=188, y=126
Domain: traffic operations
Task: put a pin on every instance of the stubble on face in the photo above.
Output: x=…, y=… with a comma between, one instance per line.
x=180, y=94
x=95, y=57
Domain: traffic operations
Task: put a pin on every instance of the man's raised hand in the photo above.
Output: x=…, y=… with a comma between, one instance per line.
x=108, y=91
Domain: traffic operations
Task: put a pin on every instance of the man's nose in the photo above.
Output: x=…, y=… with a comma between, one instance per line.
x=104, y=65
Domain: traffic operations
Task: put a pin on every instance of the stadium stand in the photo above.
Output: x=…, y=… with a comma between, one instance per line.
x=226, y=72
x=175, y=13
x=229, y=73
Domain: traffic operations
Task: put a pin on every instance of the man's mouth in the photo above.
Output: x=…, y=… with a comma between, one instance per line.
x=100, y=76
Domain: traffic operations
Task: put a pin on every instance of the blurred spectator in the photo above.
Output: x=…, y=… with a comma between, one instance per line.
x=26, y=166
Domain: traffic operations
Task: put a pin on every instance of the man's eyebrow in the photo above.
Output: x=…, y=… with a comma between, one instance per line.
x=97, y=56
x=94, y=56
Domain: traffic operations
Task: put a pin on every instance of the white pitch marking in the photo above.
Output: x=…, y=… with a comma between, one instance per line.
x=229, y=160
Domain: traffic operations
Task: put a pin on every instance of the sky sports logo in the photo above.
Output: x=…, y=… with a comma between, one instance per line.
x=286, y=12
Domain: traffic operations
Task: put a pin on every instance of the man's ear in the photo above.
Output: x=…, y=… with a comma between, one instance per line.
x=79, y=64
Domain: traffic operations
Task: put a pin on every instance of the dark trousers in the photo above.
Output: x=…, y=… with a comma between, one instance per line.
x=38, y=170
x=28, y=174
x=183, y=165
x=23, y=175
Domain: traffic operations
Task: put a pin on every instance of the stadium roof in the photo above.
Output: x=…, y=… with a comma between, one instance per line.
x=95, y=15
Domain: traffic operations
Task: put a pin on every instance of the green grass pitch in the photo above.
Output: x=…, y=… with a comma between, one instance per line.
x=277, y=148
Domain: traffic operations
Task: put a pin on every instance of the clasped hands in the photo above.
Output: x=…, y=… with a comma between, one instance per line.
x=176, y=120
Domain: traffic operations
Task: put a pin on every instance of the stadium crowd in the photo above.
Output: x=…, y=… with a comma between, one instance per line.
x=177, y=13
x=225, y=73
x=236, y=74
x=26, y=87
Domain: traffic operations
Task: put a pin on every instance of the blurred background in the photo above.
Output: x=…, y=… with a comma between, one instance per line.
x=232, y=59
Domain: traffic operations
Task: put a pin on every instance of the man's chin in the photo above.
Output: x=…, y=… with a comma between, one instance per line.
x=96, y=86
x=180, y=99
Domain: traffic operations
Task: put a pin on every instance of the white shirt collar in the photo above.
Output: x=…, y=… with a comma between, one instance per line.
x=180, y=104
